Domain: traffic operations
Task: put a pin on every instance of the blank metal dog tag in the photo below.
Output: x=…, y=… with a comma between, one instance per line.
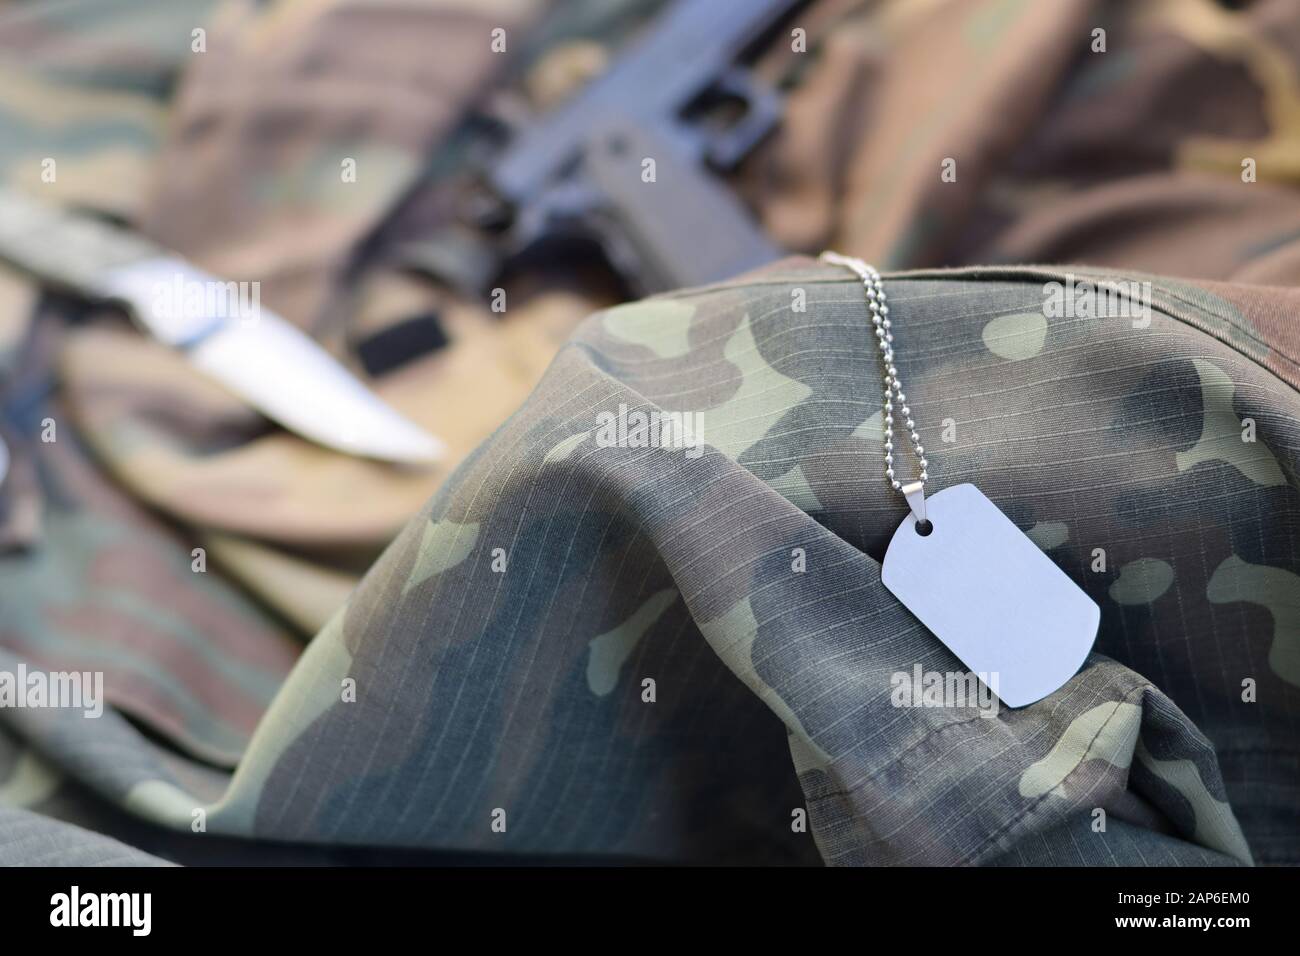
x=989, y=594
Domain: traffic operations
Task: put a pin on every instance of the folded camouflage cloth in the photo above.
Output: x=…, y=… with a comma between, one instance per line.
x=596, y=641
x=681, y=650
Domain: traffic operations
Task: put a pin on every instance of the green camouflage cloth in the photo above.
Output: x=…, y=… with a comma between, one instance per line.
x=521, y=687
x=499, y=647
x=483, y=636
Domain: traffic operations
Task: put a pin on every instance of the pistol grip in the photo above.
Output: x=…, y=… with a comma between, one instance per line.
x=685, y=227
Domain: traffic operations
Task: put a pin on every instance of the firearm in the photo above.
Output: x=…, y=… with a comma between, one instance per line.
x=580, y=173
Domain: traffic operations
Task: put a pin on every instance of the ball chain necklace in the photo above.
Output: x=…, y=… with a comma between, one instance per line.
x=964, y=569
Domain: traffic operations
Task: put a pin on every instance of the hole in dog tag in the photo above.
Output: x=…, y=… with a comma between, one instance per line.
x=988, y=593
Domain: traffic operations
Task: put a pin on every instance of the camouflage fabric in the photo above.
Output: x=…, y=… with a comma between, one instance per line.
x=1130, y=156
x=500, y=645
x=484, y=630
x=201, y=160
x=621, y=563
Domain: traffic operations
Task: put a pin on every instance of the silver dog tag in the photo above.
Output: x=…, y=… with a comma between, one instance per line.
x=989, y=594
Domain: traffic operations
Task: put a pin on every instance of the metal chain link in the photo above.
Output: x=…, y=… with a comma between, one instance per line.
x=875, y=290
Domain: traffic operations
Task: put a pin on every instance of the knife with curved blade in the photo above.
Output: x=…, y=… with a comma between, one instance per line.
x=220, y=327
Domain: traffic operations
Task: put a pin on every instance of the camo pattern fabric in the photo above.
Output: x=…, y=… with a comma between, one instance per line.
x=130, y=112
x=483, y=688
x=1090, y=131
x=556, y=573
x=493, y=663
x=190, y=144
